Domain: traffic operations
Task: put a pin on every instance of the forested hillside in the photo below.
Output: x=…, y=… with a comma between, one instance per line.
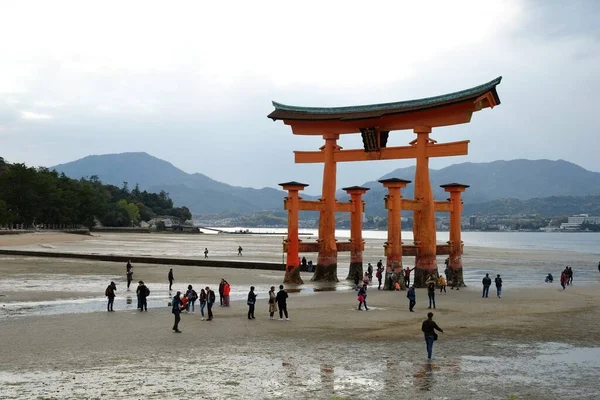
x=37, y=196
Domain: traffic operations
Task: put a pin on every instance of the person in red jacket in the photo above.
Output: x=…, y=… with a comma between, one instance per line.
x=226, y=291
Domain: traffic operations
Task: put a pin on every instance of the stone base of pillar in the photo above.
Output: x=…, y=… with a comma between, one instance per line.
x=421, y=275
x=292, y=276
x=356, y=267
x=397, y=277
x=456, y=277
x=325, y=273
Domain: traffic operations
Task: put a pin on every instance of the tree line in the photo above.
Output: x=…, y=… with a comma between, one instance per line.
x=37, y=196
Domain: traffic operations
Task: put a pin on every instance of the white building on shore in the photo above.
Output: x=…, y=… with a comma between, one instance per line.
x=574, y=222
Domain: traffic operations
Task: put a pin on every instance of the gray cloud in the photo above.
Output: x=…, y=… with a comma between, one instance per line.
x=203, y=123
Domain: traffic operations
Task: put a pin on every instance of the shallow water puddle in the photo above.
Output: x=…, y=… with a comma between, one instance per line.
x=535, y=371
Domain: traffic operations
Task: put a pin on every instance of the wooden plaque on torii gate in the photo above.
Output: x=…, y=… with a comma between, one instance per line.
x=375, y=122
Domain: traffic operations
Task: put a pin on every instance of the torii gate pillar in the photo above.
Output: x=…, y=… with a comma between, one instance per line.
x=455, y=242
x=357, y=244
x=424, y=218
x=292, y=204
x=393, y=203
x=326, y=269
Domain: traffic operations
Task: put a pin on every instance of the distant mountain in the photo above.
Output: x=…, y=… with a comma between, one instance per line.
x=491, y=182
x=198, y=192
x=515, y=179
x=545, y=206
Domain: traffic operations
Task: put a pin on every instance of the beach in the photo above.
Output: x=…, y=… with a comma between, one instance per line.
x=537, y=341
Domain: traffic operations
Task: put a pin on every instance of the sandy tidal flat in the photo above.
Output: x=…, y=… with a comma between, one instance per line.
x=534, y=342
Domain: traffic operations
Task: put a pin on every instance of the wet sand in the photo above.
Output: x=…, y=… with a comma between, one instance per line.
x=534, y=342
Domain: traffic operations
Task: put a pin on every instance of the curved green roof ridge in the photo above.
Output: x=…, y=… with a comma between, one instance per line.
x=477, y=90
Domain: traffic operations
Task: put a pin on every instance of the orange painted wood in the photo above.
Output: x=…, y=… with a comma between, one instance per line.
x=387, y=153
x=442, y=206
x=328, y=249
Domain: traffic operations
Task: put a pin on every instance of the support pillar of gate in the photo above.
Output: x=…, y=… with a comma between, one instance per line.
x=292, y=243
x=356, y=239
x=393, y=203
x=455, y=242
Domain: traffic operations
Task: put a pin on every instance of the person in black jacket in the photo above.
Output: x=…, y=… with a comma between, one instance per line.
x=221, y=288
x=429, y=327
x=142, y=292
x=498, y=281
x=487, y=282
x=171, y=279
x=282, y=303
x=251, y=302
x=129, y=274
x=110, y=293
x=210, y=300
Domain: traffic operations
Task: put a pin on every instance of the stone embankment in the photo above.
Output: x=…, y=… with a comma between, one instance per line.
x=150, y=260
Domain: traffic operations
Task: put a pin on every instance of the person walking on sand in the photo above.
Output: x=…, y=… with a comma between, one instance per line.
x=110, y=293
x=431, y=291
x=129, y=274
x=378, y=276
x=210, y=300
x=442, y=284
x=226, y=291
x=362, y=297
x=486, y=282
x=498, y=281
x=240, y=251
x=570, y=276
x=171, y=279
x=412, y=298
x=272, y=305
x=598, y=266
x=192, y=296
x=206, y=252
x=282, y=303
x=429, y=327
x=563, y=280
x=202, y=299
x=221, y=287
x=177, y=305
x=142, y=293
x=251, y=302
x=407, y=272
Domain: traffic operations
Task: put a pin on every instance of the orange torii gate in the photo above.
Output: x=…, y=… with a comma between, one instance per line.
x=374, y=123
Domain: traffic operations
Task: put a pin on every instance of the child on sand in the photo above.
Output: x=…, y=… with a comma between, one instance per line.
x=442, y=284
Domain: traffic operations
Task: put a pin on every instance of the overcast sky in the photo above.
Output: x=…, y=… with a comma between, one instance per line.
x=192, y=82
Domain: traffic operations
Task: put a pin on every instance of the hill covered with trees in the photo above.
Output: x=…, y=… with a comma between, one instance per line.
x=37, y=196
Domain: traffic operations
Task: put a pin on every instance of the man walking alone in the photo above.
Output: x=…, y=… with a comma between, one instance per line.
x=431, y=291
x=429, y=327
x=171, y=279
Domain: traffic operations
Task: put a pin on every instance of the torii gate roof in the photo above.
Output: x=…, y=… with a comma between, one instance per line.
x=447, y=109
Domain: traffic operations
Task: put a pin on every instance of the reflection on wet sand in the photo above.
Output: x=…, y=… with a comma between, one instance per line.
x=425, y=379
